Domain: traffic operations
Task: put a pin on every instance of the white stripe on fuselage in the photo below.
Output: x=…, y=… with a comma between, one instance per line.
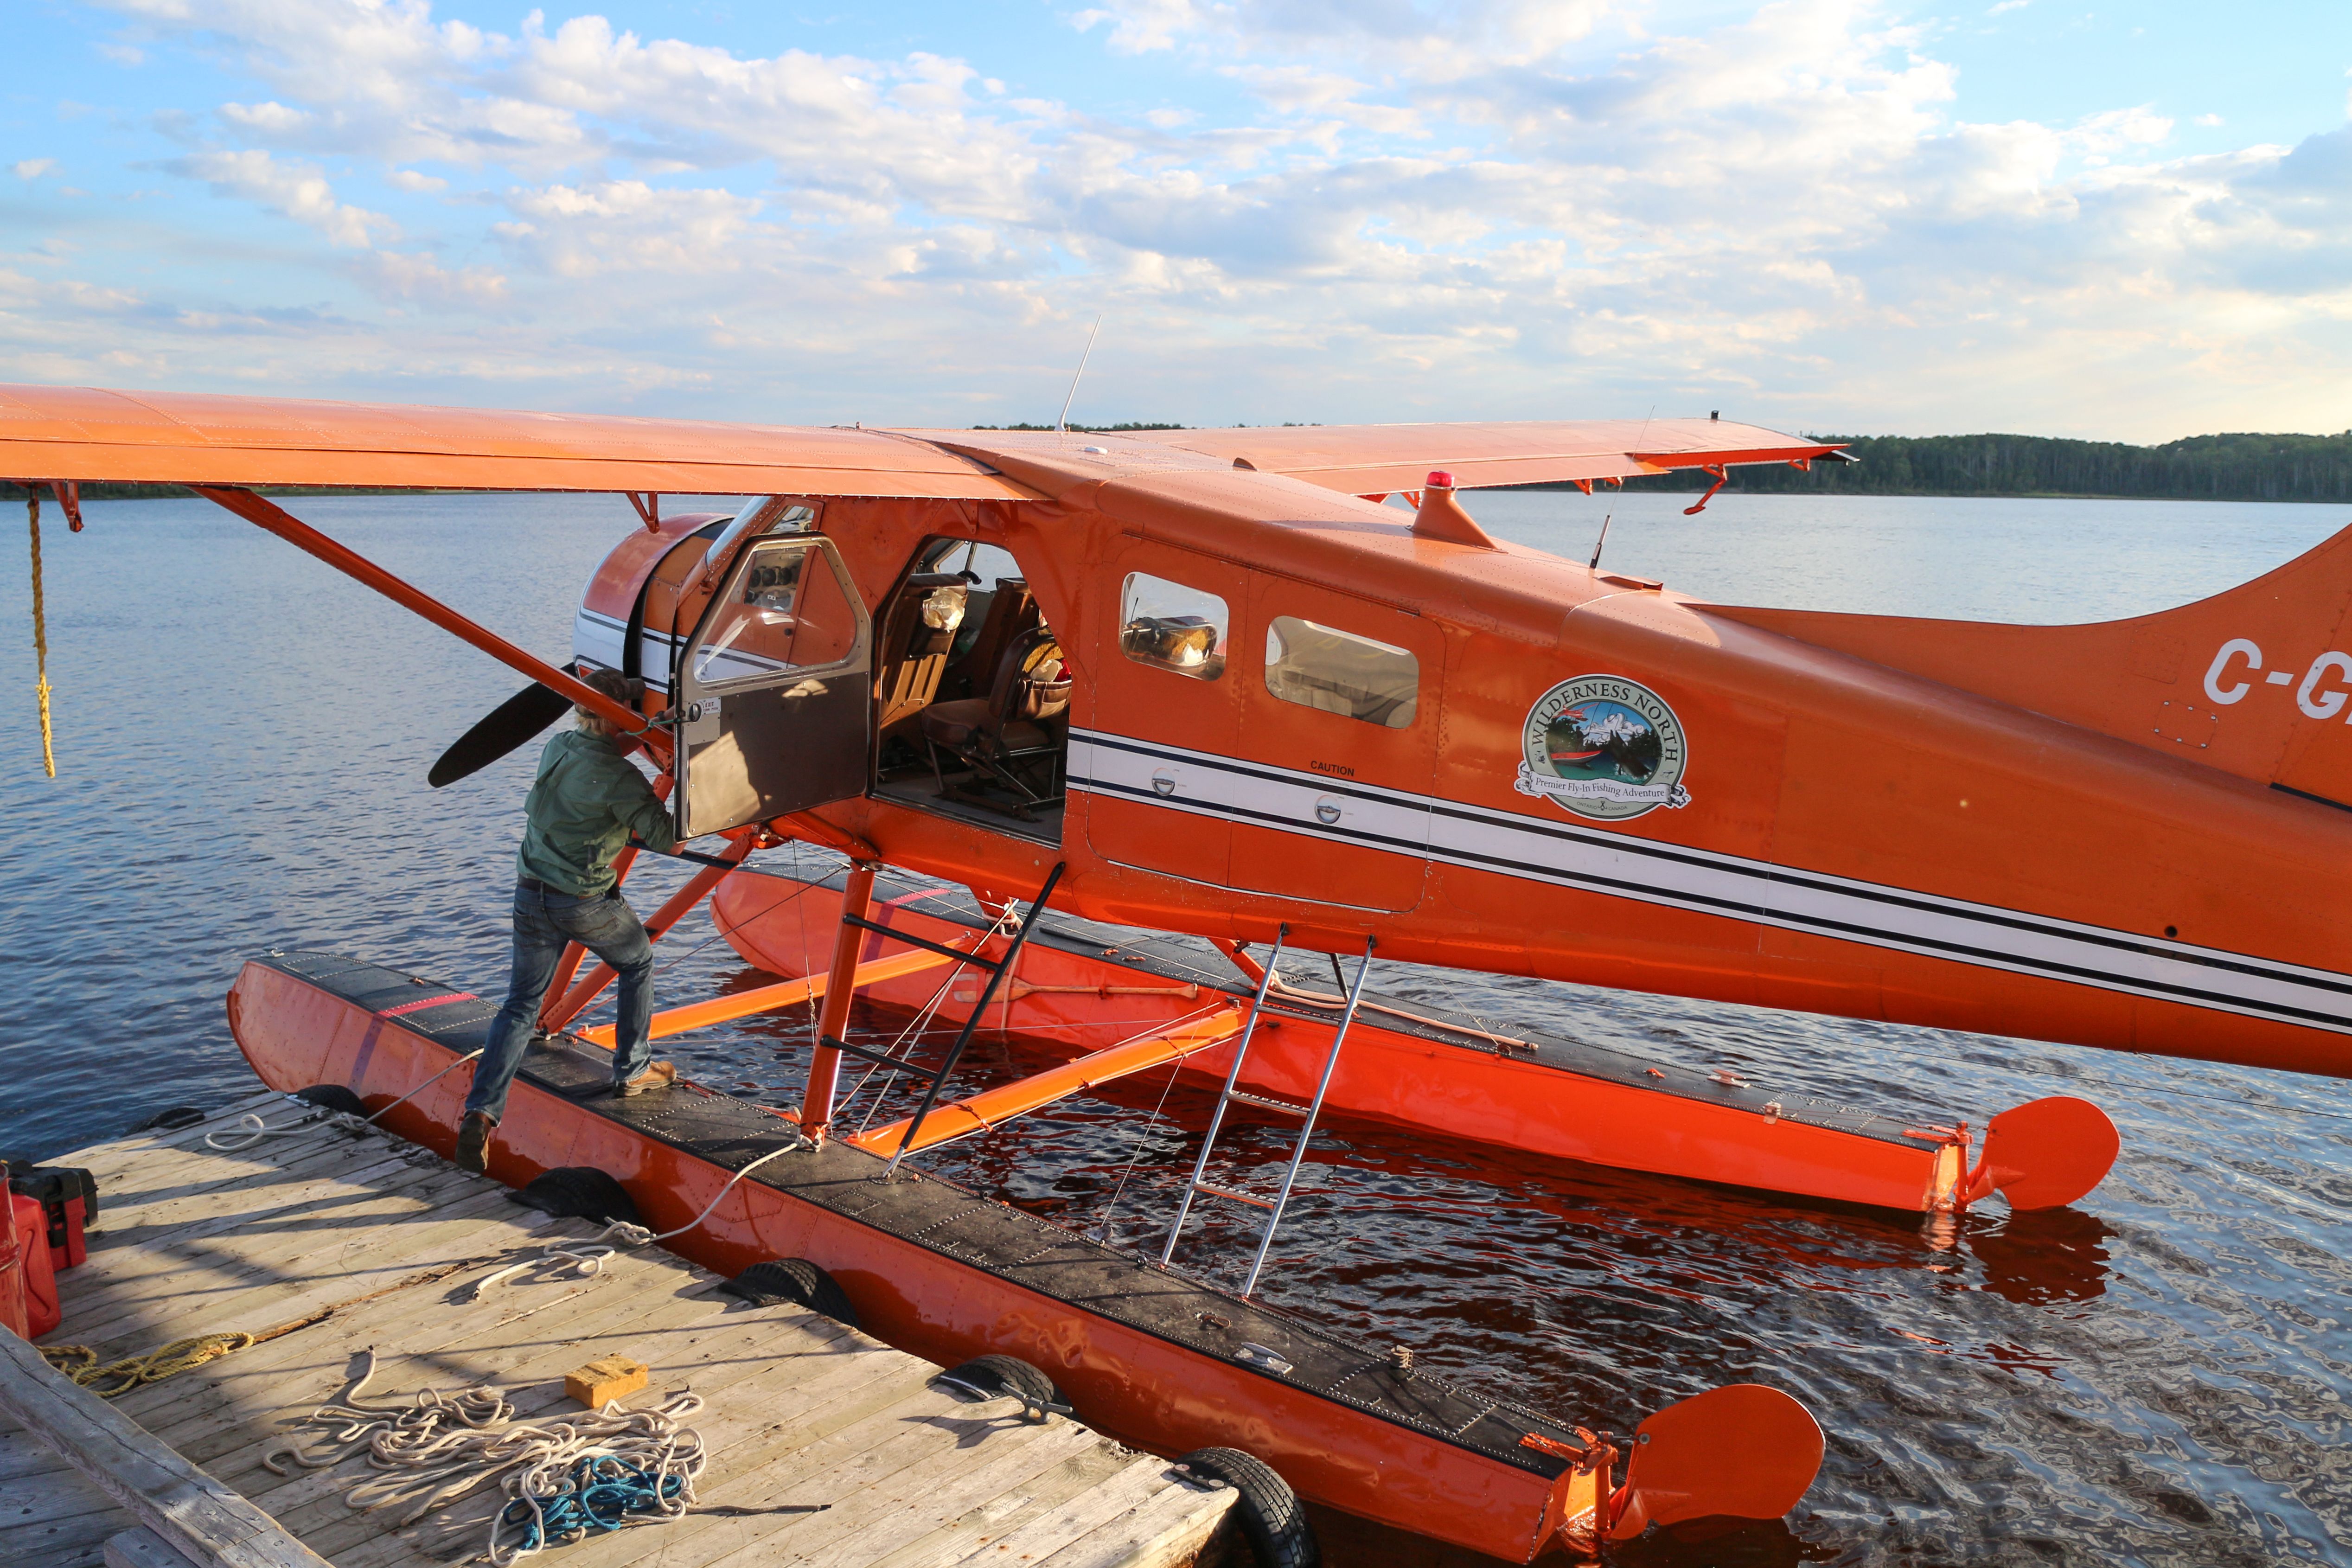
x=1568, y=855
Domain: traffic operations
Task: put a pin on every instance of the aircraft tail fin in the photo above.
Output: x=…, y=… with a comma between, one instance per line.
x=2255, y=682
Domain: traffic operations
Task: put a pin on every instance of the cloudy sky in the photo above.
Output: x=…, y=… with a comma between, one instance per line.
x=2131, y=223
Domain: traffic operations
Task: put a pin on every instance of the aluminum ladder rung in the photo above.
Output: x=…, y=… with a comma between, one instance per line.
x=1260, y=1101
x=1308, y=1114
x=1239, y=1198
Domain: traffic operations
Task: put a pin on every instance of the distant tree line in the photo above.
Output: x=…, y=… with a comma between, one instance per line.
x=2200, y=468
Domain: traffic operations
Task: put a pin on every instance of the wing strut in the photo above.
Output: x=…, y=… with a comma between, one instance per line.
x=302, y=535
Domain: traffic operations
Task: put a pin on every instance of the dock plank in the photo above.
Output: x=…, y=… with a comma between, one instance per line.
x=828, y=1448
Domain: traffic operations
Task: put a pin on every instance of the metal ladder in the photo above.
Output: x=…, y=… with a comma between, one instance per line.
x=1273, y=1207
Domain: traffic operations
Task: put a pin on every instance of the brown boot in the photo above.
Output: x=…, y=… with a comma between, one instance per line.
x=658, y=1075
x=473, y=1142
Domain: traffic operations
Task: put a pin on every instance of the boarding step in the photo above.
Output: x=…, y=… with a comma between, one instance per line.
x=1210, y=1190
x=1263, y=1103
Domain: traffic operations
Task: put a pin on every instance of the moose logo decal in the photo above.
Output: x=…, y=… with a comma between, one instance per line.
x=1604, y=747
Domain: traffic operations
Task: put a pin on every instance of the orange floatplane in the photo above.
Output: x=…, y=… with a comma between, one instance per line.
x=1205, y=683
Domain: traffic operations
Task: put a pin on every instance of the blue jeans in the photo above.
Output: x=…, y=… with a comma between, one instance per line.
x=543, y=923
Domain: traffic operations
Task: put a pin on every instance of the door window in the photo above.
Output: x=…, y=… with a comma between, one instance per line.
x=787, y=609
x=1172, y=626
x=774, y=707
x=1341, y=672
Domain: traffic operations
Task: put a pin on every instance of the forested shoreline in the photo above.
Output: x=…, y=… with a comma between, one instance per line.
x=2198, y=468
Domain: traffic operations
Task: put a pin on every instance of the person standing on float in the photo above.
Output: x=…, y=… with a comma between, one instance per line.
x=582, y=807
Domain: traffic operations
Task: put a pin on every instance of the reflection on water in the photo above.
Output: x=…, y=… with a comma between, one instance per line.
x=2043, y=1258
x=2159, y=1374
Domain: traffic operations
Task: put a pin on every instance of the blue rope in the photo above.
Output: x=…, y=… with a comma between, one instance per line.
x=599, y=1494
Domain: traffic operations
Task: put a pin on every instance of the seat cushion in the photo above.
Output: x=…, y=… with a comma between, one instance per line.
x=957, y=724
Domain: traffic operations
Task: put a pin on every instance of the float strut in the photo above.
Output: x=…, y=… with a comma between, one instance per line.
x=841, y=985
x=997, y=973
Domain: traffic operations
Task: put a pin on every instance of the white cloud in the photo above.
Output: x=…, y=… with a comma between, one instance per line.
x=1446, y=208
x=300, y=191
x=34, y=168
x=264, y=119
x=628, y=225
x=419, y=278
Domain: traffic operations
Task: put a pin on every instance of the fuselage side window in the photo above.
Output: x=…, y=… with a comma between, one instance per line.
x=1172, y=626
x=1340, y=672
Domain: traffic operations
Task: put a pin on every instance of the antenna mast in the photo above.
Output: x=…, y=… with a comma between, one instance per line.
x=1062, y=425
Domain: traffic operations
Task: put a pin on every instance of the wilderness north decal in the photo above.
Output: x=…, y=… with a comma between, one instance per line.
x=1604, y=747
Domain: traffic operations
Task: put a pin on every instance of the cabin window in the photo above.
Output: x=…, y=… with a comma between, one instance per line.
x=1172, y=626
x=1340, y=672
x=787, y=610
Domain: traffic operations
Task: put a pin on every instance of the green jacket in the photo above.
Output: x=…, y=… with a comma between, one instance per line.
x=581, y=808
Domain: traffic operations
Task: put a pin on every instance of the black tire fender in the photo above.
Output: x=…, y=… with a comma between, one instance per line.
x=1273, y=1520
x=994, y=1376
x=333, y=1097
x=578, y=1192
x=795, y=1280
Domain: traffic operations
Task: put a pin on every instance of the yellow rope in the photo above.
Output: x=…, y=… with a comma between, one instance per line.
x=79, y=1363
x=40, y=631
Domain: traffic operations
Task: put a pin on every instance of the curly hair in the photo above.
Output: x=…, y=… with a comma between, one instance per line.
x=609, y=683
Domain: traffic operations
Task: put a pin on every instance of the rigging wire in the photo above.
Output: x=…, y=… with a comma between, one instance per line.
x=1102, y=1230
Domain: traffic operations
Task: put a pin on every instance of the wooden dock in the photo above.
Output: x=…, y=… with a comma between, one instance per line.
x=828, y=1447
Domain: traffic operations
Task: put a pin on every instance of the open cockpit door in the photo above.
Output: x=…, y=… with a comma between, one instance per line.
x=772, y=695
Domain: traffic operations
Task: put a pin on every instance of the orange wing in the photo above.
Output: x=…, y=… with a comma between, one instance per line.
x=1369, y=459
x=88, y=435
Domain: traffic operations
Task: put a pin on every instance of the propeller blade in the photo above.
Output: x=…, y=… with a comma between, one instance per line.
x=501, y=729
x=2046, y=1152
x=1743, y=1450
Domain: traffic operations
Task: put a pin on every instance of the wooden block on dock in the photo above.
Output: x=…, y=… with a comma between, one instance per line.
x=606, y=1379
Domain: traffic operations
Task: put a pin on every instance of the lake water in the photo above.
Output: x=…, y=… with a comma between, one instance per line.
x=2157, y=1375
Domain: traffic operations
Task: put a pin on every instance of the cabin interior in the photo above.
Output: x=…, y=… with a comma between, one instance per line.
x=972, y=694
x=973, y=690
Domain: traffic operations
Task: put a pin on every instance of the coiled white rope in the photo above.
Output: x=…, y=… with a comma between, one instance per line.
x=581, y=1258
x=437, y=1448
x=251, y=1130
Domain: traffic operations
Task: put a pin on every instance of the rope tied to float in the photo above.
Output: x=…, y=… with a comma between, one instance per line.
x=583, y=1258
x=40, y=632
x=563, y=1479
